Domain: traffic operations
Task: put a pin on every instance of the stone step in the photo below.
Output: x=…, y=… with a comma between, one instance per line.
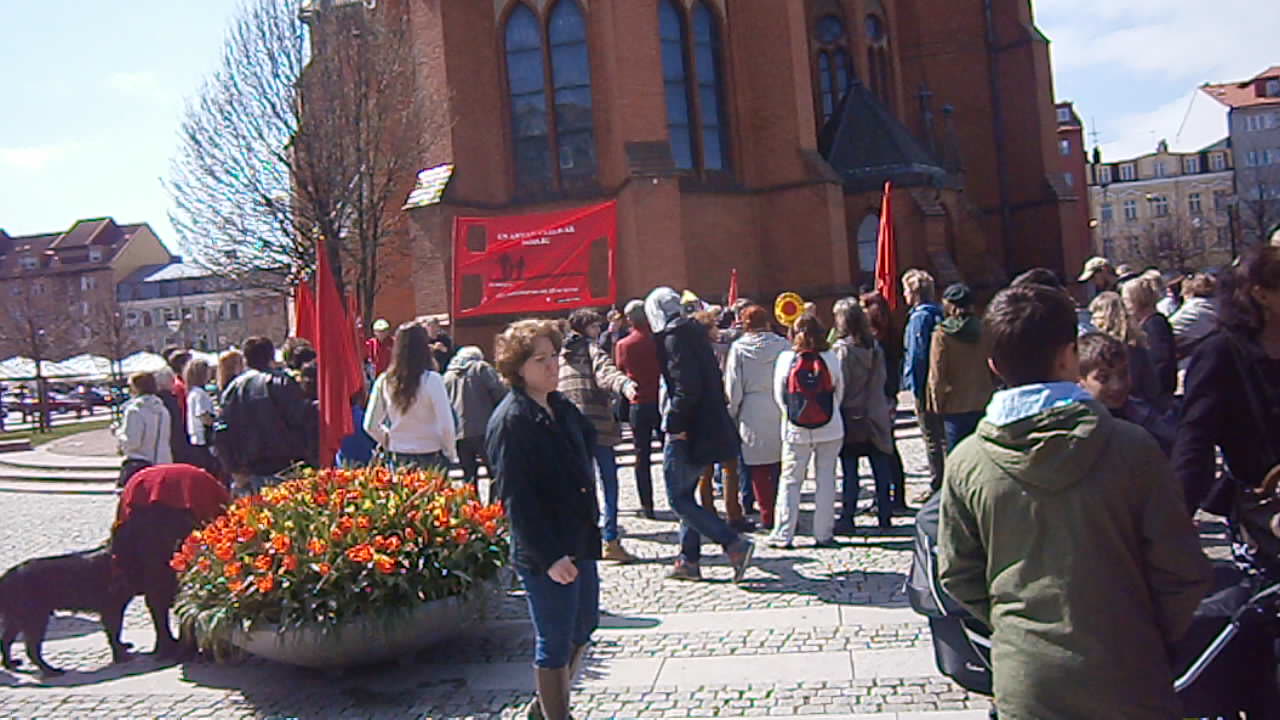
x=40, y=459
x=15, y=445
x=58, y=487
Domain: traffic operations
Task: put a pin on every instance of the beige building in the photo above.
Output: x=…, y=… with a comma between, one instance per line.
x=1171, y=210
x=58, y=289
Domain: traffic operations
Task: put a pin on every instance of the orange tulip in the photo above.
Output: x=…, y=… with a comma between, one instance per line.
x=361, y=553
x=262, y=563
x=178, y=563
x=316, y=546
x=233, y=570
x=324, y=568
x=290, y=563
x=281, y=543
x=266, y=583
x=384, y=564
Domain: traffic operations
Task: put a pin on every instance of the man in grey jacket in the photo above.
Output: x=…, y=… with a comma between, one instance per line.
x=474, y=390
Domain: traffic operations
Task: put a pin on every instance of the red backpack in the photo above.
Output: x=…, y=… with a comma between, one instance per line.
x=810, y=396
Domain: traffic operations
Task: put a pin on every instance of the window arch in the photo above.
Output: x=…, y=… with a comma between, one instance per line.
x=548, y=68
x=878, y=57
x=834, y=64
x=692, y=70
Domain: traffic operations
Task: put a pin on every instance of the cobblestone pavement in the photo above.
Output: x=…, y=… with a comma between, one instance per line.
x=864, y=574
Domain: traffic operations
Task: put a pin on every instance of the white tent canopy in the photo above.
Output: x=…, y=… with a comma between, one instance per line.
x=142, y=362
x=21, y=368
x=87, y=366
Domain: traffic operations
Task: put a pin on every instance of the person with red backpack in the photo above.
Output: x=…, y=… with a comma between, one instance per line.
x=809, y=386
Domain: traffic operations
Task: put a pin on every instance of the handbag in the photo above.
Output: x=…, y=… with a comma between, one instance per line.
x=620, y=407
x=1256, y=511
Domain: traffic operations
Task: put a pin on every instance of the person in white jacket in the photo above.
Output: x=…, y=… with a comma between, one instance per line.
x=409, y=413
x=800, y=444
x=143, y=434
x=1196, y=319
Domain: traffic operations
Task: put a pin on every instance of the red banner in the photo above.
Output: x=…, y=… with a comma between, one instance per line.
x=546, y=262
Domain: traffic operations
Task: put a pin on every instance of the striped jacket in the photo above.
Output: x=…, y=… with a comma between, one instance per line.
x=588, y=378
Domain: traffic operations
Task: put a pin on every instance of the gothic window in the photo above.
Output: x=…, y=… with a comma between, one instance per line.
x=692, y=70
x=834, y=64
x=878, y=57
x=549, y=68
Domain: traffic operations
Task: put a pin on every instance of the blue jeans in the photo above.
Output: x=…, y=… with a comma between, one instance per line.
x=608, y=465
x=882, y=469
x=564, y=616
x=960, y=426
x=645, y=423
x=695, y=521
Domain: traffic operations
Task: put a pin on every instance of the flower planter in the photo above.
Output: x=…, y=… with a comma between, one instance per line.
x=372, y=638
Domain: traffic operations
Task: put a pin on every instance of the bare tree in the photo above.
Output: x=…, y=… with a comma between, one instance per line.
x=308, y=128
x=112, y=335
x=1259, y=203
x=36, y=322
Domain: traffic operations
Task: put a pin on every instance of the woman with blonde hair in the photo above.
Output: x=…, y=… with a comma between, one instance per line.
x=1110, y=317
x=1140, y=298
x=230, y=364
x=200, y=413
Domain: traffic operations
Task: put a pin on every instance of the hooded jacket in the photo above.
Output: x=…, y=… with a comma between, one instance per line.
x=588, y=378
x=474, y=390
x=694, y=400
x=915, y=348
x=959, y=378
x=1062, y=530
x=748, y=378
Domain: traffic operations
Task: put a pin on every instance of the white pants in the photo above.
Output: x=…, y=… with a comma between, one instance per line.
x=795, y=465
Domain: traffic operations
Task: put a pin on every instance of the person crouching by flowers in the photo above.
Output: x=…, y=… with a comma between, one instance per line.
x=540, y=445
x=159, y=506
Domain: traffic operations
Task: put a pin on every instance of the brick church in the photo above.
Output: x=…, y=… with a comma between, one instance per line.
x=747, y=134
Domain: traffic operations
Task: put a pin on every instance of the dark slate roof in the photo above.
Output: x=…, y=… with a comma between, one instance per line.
x=867, y=145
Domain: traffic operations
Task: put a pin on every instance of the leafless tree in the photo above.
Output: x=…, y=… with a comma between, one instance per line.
x=37, y=324
x=112, y=335
x=1258, y=202
x=313, y=126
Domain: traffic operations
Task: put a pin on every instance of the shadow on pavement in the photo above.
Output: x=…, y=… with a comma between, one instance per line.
x=138, y=665
x=853, y=587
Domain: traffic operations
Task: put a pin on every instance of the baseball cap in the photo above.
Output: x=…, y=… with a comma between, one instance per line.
x=1093, y=266
x=381, y=325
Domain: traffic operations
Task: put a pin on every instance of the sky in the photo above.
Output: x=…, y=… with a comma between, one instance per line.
x=94, y=92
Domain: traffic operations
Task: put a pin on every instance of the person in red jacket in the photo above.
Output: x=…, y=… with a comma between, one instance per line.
x=379, y=349
x=637, y=356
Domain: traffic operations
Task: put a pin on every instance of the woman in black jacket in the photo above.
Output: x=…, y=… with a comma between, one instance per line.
x=539, y=444
x=1233, y=388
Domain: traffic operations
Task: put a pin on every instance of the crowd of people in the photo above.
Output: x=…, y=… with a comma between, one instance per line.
x=1055, y=431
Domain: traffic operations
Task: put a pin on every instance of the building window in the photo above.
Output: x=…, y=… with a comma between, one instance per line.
x=1069, y=179
x=88, y=282
x=834, y=64
x=38, y=288
x=1193, y=204
x=1104, y=174
x=1251, y=160
x=1135, y=246
x=1160, y=169
x=1064, y=146
x=564, y=75
x=1127, y=172
x=1064, y=116
x=146, y=318
x=233, y=310
x=1221, y=200
x=691, y=60
x=28, y=262
x=1108, y=247
x=1165, y=241
x=1191, y=164
x=1253, y=123
x=878, y=57
x=1130, y=210
x=1223, y=239
x=1273, y=87
x=1108, y=213
x=1159, y=205
x=1217, y=162
x=95, y=254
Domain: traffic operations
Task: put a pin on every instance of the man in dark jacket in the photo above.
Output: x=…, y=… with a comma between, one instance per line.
x=267, y=422
x=699, y=431
x=1062, y=530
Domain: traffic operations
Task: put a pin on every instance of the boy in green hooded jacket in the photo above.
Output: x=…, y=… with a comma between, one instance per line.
x=1061, y=528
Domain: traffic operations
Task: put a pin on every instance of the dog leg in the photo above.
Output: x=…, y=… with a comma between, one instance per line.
x=112, y=623
x=6, y=642
x=33, y=636
x=165, y=642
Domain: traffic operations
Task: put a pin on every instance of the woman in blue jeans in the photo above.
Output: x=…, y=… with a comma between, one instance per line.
x=868, y=418
x=540, y=445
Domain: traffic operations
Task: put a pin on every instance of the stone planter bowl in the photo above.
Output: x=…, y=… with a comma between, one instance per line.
x=369, y=639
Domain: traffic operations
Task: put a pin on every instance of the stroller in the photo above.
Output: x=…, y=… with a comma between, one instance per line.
x=1226, y=664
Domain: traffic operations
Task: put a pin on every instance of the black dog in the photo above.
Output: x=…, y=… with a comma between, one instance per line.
x=30, y=592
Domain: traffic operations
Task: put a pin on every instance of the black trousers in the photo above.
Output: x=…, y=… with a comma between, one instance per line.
x=645, y=423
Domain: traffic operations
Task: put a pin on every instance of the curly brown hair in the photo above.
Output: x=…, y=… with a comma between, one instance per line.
x=514, y=346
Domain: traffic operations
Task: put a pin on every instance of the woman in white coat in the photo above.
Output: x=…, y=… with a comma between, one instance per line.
x=748, y=381
x=800, y=442
x=143, y=434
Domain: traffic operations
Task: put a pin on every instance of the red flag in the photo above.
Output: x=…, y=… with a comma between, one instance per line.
x=355, y=360
x=333, y=344
x=887, y=251
x=733, y=287
x=304, y=312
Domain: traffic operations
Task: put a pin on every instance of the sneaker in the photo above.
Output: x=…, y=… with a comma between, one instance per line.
x=685, y=571
x=774, y=541
x=741, y=559
x=614, y=552
x=743, y=525
x=828, y=543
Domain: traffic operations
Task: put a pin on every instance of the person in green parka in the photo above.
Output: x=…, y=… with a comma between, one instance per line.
x=1062, y=529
